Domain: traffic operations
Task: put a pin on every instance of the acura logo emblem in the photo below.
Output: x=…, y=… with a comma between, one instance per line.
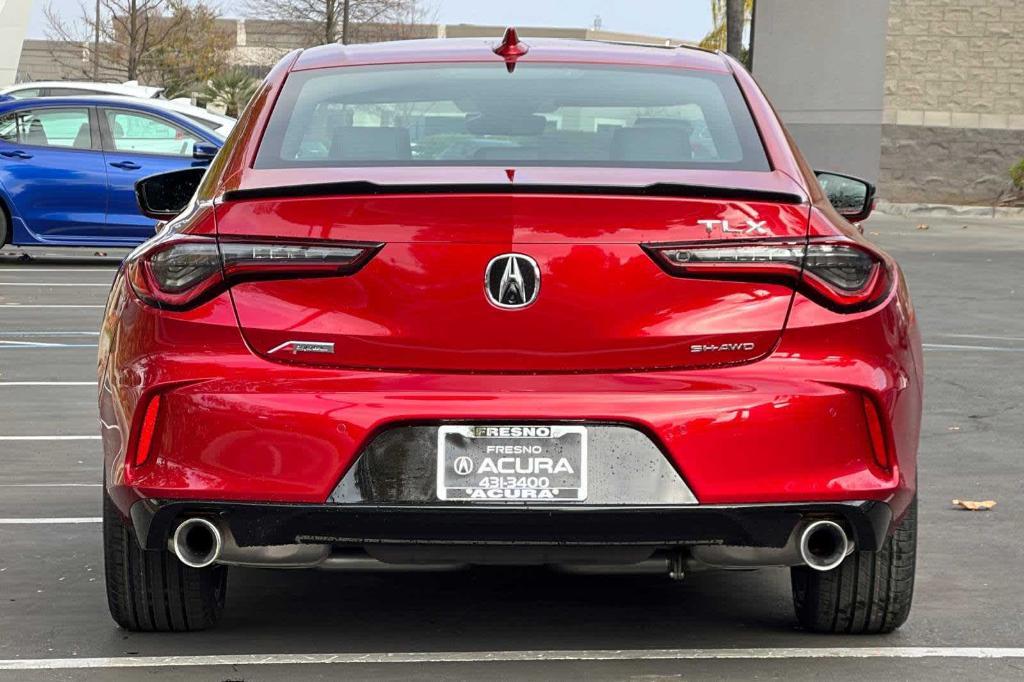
x=512, y=280
x=463, y=466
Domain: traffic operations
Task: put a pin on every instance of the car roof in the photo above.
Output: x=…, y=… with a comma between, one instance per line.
x=177, y=105
x=146, y=105
x=86, y=101
x=187, y=108
x=482, y=50
x=147, y=90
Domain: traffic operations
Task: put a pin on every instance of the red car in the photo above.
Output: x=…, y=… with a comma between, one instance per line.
x=468, y=302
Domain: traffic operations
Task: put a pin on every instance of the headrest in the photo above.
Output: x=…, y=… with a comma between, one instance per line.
x=36, y=134
x=83, y=140
x=654, y=143
x=370, y=144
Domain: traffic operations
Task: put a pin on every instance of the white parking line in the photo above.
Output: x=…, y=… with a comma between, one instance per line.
x=50, y=437
x=49, y=521
x=5, y=348
x=29, y=306
x=107, y=270
x=47, y=383
x=105, y=285
x=46, y=333
x=512, y=657
x=982, y=336
x=945, y=346
x=50, y=485
x=11, y=345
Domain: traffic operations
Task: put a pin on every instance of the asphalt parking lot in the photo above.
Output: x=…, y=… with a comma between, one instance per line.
x=967, y=280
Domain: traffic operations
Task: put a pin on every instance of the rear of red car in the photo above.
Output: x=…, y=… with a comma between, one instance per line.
x=579, y=306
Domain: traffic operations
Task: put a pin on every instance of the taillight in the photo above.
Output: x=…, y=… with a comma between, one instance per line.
x=176, y=273
x=182, y=271
x=876, y=429
x=146, y=430
x=841, y=275
x=269, y=260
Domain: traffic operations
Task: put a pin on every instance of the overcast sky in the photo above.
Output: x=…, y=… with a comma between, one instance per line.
x=685, y=19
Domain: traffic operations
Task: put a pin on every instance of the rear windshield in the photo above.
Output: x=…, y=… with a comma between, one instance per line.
x=539, y=115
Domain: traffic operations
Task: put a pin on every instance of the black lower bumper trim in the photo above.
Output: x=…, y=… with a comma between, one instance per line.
x=754, y=525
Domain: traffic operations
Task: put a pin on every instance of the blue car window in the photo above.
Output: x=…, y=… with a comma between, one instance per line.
x=65, y=127
x=136, y=132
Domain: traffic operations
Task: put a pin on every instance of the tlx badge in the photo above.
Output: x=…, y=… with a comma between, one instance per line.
x=753, y=228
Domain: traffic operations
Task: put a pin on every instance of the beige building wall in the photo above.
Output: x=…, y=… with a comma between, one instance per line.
x=52, y=60
x=954, y=99
x=525, y=32
x=955, y=63
x=14, y=16
x=822, y=64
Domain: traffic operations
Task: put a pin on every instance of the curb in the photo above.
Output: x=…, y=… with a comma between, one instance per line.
x=949, y=210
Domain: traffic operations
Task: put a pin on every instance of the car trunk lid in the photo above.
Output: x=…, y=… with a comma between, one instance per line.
x=421, y=303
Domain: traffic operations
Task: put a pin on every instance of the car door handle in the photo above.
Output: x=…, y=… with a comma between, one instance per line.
x=16, y=154
x=125, y=165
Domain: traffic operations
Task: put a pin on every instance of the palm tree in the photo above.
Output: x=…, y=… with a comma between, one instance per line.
x=717, y=38
x=232, y=89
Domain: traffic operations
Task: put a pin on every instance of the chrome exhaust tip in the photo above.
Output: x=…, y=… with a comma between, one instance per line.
x=824, y=545
x=197, y=542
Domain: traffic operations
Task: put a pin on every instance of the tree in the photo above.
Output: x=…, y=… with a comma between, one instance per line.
x=232, y=89
x=334, y=21
x=135, y=39
x=727, y=34
x=196, y=53
x=734, y=21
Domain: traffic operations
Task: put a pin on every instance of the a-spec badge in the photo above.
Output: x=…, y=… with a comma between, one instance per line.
x=296, y=347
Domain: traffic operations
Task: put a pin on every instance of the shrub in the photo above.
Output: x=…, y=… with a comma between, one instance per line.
x=1017, y=175
x=232, y=89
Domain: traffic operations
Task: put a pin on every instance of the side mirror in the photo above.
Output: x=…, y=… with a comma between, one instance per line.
x=165, y=195
x=853, y=198
x=204, y=151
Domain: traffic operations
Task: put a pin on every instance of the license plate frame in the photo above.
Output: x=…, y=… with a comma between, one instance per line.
x=546, y=463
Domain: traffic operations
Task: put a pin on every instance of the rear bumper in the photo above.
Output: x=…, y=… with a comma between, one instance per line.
x=237, y=429
x=757, y=525
x=761, y=434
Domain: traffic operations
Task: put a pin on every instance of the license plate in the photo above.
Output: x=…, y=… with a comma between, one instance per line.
x=512, y=463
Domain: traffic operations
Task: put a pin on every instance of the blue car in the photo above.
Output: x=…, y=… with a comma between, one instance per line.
x=68, y=167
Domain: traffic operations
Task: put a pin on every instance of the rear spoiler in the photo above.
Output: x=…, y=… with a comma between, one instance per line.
x=660, y=190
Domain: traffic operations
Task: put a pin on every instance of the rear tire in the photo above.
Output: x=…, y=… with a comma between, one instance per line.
x=869, y=593
x=150, y=590
x=5, y=225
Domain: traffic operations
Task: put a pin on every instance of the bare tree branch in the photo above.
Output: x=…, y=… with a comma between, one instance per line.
x=331, y=21
x=141, y=39
x=60, y=30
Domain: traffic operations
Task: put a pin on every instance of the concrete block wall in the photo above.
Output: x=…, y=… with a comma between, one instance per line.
x=947, y=165
x=962, y=57
x=954, y=100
